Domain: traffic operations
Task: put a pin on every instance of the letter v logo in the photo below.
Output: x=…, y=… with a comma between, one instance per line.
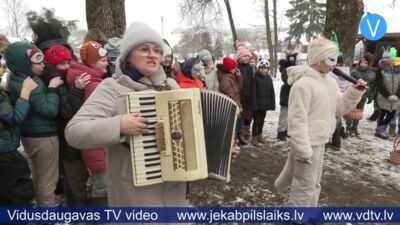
x=373, y=33
x=373, y=27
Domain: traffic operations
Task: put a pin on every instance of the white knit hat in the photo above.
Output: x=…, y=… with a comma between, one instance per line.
x=139, y=33
x=321, y=49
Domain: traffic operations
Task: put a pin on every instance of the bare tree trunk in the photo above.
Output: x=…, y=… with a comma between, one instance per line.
x=14, y=11
x=274, y=64
x=232, y=24
x=269, y=35
x=343, y=17
x=107, y=16
x=16, y=28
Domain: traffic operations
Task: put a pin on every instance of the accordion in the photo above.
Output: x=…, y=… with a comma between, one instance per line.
x=191, y=133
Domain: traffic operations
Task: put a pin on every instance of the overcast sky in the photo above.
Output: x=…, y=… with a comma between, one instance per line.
x=245, y=12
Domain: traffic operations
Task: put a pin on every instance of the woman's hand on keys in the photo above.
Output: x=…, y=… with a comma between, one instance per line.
x=133, y=124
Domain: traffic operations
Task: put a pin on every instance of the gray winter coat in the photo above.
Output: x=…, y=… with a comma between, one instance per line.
x=388, y=83
x=212, y=80
x=369, y=77
x=97, y=123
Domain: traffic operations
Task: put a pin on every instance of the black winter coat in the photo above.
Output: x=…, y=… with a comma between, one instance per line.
x=285, y=89
x=245, y=94
x=263, y=96
x=70, y=102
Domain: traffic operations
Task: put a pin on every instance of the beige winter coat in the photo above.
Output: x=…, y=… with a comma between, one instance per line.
x=97, y=123
x=212, y=80
x=314, y=103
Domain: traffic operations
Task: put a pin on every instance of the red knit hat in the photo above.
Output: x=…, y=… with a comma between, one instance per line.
x=229, y=63
x=57, y=54
x=91, y=52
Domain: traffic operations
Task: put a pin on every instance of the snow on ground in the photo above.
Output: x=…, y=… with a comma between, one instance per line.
x=357, y=175
x=367, y=154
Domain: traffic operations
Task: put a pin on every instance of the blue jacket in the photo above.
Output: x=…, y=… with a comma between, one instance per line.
x=10, y=119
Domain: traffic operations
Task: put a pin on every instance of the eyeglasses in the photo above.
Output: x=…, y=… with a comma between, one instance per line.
x=146, y=50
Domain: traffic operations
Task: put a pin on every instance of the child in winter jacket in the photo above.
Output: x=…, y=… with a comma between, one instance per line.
x=395, y=122
x=210, y=71
x=246, y=70
x=263, y=98
x=336, y=141
x=39, y=129
x=314, y=103
x=188, y=76
x=230, y=80
x=364, y=72
x=15, y=176
x=94, y=63
x=291, y=60
x=230, y=84
x=388, y=86
x=73, y=173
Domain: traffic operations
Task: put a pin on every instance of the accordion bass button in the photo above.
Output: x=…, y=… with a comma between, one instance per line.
x=176, y=136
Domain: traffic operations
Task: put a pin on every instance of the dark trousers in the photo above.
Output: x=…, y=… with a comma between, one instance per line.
x=385, y=117
x=336, y=137
x=258, y=123
x=247, y=122
x=247, y=115
x=239, y=125
x=16, y=185
x=76, y=176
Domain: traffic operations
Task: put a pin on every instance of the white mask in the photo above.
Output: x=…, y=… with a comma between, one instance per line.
x=331, y=62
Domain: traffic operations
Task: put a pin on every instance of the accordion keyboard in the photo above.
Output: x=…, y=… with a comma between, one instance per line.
x=146, y=157
x=174, y=148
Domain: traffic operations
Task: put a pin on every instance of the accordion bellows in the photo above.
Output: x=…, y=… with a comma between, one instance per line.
x=191, y=133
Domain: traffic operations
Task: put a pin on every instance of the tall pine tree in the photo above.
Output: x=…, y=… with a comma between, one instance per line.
x=206, y=42
x=307, y=18
x=218, y=49
x=192, y=41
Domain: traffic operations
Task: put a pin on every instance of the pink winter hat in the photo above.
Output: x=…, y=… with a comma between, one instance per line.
x=241, y=52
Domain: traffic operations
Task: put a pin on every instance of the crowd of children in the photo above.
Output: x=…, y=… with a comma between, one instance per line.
x=63, y=109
